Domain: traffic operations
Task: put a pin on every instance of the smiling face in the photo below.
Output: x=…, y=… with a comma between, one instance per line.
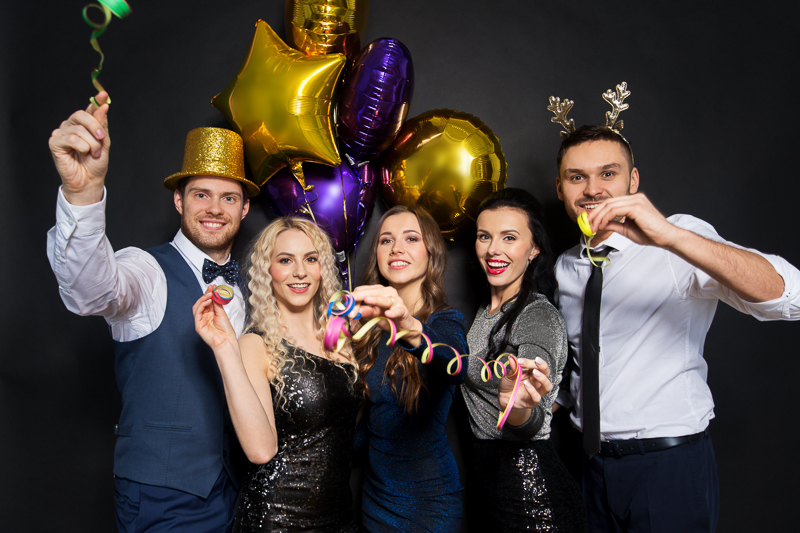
x=211, y=211
x=504, y=246
x=295, y=271
x=401, y=254
x=592, y=172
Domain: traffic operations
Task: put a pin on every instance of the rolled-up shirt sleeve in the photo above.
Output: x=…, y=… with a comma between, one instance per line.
x=701, y=285
x=127, y=288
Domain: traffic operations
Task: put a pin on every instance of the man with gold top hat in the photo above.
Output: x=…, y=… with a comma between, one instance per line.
x=172, y=460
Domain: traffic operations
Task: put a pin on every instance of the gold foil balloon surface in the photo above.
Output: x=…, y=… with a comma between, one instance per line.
x=281, y=104
x=447, y=162
x=319, y=27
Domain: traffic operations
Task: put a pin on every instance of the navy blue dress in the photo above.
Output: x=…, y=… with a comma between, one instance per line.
x=411, y=480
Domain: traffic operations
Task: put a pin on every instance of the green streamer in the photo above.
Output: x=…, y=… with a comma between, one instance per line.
x=121, y=9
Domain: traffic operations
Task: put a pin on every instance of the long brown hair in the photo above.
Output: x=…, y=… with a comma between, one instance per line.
x=402, y=370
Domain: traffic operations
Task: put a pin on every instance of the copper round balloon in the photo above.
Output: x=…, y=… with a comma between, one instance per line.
x=318, y=27
x=447, y=162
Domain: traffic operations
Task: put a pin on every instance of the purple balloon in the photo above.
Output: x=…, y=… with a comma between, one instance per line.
x=370, y=178
x=336, y=201
x=375, y=99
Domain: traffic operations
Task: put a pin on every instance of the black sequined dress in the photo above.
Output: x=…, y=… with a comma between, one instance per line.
x=306, y=486
x=516, y=481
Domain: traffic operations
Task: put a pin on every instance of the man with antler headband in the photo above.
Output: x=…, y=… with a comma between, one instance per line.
x=638, y=386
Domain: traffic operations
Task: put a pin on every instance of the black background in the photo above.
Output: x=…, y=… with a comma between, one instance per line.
x=713, y=123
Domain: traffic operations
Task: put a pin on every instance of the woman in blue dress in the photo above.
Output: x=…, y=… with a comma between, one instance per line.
x=411, y=479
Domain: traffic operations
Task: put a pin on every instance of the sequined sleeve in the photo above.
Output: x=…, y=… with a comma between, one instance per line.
x=446, y=326
x=538, y=332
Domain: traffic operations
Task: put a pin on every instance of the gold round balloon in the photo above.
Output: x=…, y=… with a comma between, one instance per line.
x=447, y=162
x=318, y=27
x=281, y=103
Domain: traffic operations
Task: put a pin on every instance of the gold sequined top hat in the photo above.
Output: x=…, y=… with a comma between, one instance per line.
x=213, y=152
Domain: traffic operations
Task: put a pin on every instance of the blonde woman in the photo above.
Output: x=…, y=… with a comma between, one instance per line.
x=292, y=403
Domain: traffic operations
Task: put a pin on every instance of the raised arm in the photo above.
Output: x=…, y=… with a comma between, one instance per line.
x=748, y=275
x=127, y=287
x=80, y=149
x=244, y=366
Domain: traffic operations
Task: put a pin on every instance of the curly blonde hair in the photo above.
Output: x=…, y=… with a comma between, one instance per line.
x=263, y=314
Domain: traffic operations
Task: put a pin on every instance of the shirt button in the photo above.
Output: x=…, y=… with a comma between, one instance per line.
x=71, y=222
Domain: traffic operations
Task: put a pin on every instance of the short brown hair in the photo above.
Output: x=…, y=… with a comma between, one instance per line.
x=181, y=188
x=594, y=133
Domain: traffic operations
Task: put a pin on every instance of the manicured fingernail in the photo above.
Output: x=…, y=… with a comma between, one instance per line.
x=537, y=373
x=100, y=134
x=97, y=154
x=522, y=361
x=539, y=361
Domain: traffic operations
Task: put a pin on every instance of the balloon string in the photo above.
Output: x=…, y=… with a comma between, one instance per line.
x=346, y=235
x=116, y=7
x=349, y=274
x=337, y=332
x=305, y=207
x=299, y=175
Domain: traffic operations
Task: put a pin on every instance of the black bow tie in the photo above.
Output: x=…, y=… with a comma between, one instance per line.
x=229, y=271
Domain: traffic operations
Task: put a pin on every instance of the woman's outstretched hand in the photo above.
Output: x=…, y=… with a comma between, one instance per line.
x=534, y=384
x=212, y=323
x=377, y=300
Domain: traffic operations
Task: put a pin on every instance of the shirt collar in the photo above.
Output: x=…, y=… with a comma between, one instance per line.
x=193, y=255
x=616, y=241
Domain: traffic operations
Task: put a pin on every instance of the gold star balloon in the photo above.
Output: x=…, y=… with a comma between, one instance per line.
x=447, y=162
x=281, y=102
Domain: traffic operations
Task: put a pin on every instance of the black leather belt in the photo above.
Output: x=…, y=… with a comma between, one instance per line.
x=621, y=448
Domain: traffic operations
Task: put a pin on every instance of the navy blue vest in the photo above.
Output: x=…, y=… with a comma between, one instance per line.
x=175, y=430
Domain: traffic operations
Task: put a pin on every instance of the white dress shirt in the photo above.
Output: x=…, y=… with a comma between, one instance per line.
x=655, y=313
x=128, y=288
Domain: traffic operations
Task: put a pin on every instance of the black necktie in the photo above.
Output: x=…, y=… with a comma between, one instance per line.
x=590, y=347
x=229, y=271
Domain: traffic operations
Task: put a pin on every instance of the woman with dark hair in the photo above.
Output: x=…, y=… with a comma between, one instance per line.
x=411, y=480
x=516, y=478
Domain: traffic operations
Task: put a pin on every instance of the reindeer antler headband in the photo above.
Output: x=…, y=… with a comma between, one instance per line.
x=561, y=108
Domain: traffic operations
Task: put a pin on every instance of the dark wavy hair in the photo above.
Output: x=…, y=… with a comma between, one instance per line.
x=539, y=277
x=402, y=370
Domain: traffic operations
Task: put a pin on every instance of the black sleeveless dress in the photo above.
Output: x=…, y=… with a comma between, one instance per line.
x=306, y=486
